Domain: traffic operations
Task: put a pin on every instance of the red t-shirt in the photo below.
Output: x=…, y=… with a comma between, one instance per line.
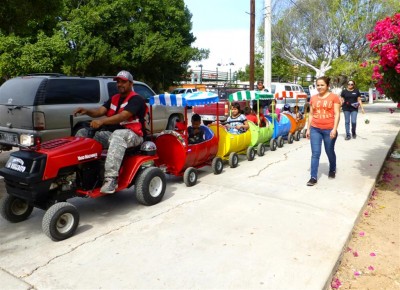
x=252, y=118
x=323, y=111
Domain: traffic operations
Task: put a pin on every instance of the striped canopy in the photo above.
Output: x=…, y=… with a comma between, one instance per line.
x=290, y=94
x=183, y=100
x=250, y=95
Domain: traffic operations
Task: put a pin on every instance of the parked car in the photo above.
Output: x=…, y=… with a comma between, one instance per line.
x=278, y=90
x=364, y=97
x=183, y=90
x=307, y=91
x=208, y=112
x=41, y=105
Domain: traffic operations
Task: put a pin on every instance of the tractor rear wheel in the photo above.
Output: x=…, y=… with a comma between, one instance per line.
x=15, y=209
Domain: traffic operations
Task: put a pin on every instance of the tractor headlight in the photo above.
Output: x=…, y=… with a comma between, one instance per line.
x=148, y=148
x=27, y=140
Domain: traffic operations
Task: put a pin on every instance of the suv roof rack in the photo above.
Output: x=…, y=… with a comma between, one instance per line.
x=46, y=74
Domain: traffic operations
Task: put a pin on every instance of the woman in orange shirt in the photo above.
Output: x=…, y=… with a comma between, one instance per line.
x=322, y=125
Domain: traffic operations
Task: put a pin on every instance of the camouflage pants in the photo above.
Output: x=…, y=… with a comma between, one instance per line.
x=116, y=142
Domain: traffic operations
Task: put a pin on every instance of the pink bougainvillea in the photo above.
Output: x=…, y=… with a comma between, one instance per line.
x=335, y=284
x=385, y=42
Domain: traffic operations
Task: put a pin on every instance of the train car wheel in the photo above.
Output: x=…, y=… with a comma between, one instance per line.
x=190, y=176
x=233, y=160
x=251, y=153
x=217, y=165
x=260, y=149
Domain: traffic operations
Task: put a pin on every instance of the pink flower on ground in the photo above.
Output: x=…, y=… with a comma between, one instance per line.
x=361, y=234
x=371, y=268
x=355, y=254
x=357, y=273
x=335, y=284
x=372, y=254
x=387, y=177
x=366, y=213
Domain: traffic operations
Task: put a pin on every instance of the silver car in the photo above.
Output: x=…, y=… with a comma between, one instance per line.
x=41, y=106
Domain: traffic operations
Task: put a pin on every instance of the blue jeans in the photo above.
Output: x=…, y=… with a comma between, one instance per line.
x=316, y=138
x=350, y=115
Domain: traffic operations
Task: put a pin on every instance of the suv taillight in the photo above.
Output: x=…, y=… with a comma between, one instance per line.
x=39, y=121
x=226, y=109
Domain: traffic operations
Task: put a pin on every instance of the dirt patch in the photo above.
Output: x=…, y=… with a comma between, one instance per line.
x=372, y=257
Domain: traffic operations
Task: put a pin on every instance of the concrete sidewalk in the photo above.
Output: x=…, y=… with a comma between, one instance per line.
x=255, y=226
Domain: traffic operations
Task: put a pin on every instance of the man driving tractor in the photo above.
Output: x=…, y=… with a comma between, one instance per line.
x=122, y=127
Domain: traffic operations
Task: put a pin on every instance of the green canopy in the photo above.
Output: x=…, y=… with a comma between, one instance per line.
x=250, y=95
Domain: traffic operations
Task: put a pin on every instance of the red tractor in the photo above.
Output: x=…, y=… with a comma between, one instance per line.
x=47, y=175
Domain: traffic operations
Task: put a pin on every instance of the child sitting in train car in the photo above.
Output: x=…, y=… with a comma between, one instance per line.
x=263, y=120
x=297, y=114
x=236, y=122
x=195, y=131
x=250, y=115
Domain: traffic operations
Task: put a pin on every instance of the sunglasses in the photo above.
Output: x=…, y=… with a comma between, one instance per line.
x=350, y=84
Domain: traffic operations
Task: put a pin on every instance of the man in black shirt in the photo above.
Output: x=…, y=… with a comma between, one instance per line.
x=122, y=127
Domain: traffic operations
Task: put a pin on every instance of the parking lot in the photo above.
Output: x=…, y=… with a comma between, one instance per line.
x=254, y=226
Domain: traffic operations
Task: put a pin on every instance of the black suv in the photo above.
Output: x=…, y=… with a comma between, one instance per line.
x=40, y=106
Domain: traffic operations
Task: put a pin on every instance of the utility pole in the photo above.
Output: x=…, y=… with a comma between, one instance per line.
x=252, y=32
x=267, y=45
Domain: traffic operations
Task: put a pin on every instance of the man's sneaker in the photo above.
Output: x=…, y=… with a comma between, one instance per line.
x=109, y=186
x=347, y=137
x=354, y=136
x=332, y=174
x=311, y=182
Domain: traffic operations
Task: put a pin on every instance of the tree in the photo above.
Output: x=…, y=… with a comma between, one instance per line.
x=150, y=38
x=26, y=17
x=313, y=33
x=26, y=31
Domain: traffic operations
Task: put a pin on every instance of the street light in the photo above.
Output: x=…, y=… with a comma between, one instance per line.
x=218, y=64
x=200, y=79
x=230, y=72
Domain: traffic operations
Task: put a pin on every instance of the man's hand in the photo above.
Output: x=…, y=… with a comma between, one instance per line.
x=96, y=124
x=80, y=111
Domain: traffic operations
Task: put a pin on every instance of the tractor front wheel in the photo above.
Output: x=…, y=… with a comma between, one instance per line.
x=60, y=221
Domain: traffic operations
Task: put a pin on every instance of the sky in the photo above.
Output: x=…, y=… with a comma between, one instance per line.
x=223, y=27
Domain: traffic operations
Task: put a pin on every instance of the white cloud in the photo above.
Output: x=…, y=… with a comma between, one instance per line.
x=226, y=46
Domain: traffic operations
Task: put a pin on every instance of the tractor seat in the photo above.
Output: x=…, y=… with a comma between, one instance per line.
x=129, y=151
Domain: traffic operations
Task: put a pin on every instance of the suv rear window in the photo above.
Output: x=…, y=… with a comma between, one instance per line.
x=72, y=91
x=178, y=91
x=20, y=91
x=142, y=90
x=112, y=88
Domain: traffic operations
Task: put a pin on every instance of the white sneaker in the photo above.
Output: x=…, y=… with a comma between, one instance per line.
x=109, y=185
